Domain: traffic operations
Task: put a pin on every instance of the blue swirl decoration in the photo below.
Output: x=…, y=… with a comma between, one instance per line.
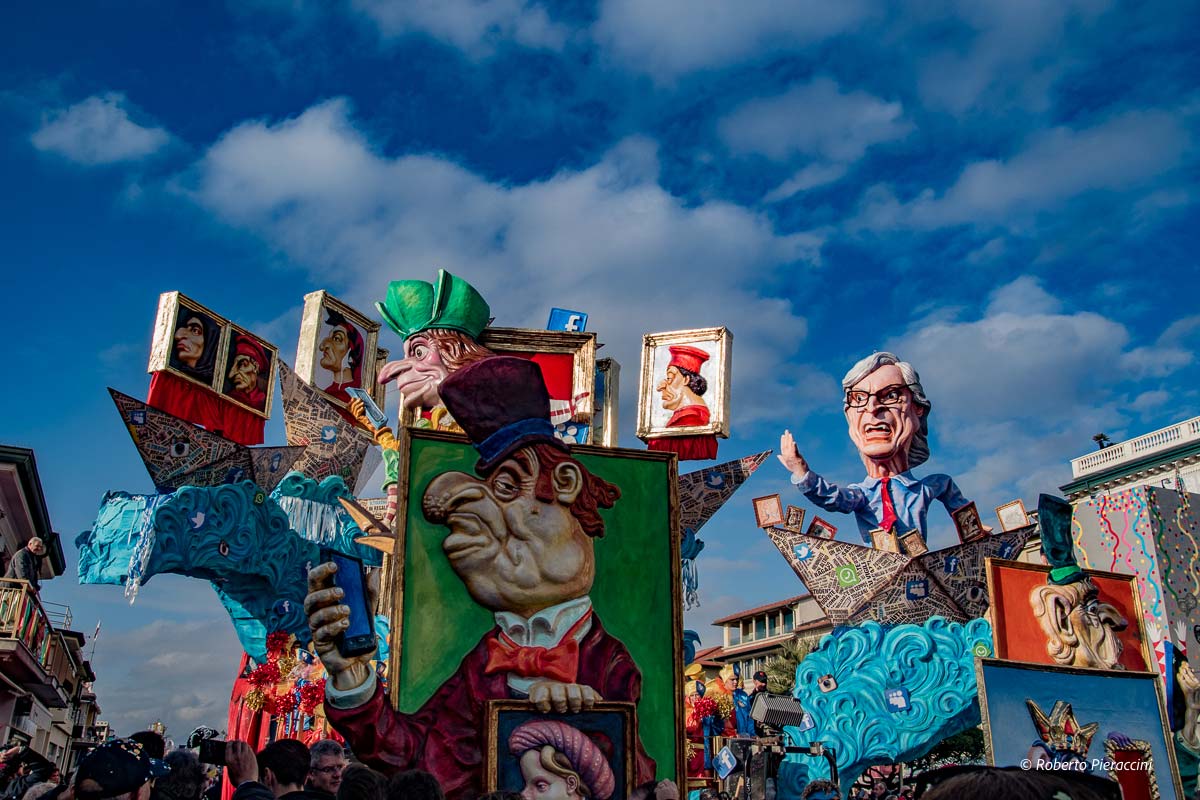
x=855, y=683
x=234, y=536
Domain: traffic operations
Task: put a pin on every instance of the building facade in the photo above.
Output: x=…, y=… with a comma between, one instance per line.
x=1158, y=458
x=752, y=637
x=45, y=680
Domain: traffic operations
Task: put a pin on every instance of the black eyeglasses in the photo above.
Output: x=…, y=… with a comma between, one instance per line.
x=332, y=769
x=893, y=395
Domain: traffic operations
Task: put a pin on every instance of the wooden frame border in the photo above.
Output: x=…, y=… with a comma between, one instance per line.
x=396, y=633
x=1000, y=516
x=313, y=319
x=1153, y=677
x=495, y=708
x=580, y=345
x=776, y=506
x=989, y=569
x=609, y=411
x=718, y=404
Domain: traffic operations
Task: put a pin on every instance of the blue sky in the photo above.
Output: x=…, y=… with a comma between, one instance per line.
x=1002, y=192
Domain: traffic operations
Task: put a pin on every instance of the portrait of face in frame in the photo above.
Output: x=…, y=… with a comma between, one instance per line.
x=448, y=573
x=195, y=343
x=555, y=755
x=248, y=371
x=684, y=388
x=768, y=511
x=338, y=348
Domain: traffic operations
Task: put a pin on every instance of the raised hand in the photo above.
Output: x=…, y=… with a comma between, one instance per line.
x=789, y=455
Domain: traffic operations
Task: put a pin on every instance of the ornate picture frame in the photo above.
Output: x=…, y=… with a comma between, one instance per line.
x=709, y=350
x=611, y=722
x=768, y=511
x=323, y=315
x=1012, y=515
x=606, y=409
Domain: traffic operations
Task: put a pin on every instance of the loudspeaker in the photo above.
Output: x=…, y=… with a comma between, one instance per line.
x=777, y=710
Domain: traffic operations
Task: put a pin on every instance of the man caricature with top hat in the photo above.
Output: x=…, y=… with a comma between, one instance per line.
x=519, y=536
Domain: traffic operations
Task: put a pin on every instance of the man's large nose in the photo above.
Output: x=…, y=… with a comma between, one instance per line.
x=448, y=491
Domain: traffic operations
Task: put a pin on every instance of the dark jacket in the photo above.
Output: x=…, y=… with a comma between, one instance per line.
x=253, y=790
x=25, y=565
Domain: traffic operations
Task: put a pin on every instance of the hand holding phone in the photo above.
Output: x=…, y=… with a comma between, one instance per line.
x=358, y=638
x=374, y=412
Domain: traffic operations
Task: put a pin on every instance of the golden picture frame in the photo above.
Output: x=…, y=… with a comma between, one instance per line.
x=193, y=342
x=580, y=346
x=265, y=379
x=1012, y=515
x=708, y=350
x=324, y=314
x=612, y=721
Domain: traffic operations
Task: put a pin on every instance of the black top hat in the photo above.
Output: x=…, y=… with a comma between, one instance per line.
x=1054, y=518
x=502, y=404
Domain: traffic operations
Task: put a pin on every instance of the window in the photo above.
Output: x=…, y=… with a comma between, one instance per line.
x=789, y=620
x=747, y=630
x=772, y=624
x=760, y=627
x=735, y=633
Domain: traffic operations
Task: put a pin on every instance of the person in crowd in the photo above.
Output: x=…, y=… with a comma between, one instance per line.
x=327, y=761
x=360, y=782
x=1002, y=783
x=414, y=784
x=27, y=563
x=821, y=790
x=120, y=769
x=186, y=780
x=278, y=771
x=153, y=741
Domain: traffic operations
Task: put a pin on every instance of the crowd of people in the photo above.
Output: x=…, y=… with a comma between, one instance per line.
x=139, y=768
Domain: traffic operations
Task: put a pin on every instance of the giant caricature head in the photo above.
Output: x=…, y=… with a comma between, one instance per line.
x=558, y=761
x=440, y=324
x=521, y=529
x=1081, y=631
x=887, y=411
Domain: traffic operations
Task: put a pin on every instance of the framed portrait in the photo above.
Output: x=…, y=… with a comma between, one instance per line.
x=684, y=389
x=793, y=518
x=1012, y=515
x=634, y=603
x=568, y=362
x=606, y=409
x=822, y=529
x=600, y=740
x=248, y=371
x=913, y=543
x=768, y=511
x=884, y=540
x=1118, y=721
x=968, y=523
x=338, y=348
x=1029, y=613
x=189, y=341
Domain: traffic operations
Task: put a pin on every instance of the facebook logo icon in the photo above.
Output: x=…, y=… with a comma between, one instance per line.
x=563, y=319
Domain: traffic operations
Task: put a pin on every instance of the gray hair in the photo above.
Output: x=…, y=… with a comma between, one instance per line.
x=325, y=747
x=918, y=454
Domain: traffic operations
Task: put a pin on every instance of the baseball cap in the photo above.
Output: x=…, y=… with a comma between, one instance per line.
x=115, y=768
x=760, y=676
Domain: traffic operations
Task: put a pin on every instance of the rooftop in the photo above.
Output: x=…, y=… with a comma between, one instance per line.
x=761, y=609
x=1128, y=452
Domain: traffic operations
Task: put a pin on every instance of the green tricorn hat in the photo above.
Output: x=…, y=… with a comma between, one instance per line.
x=1054, y=517
x=452, y=303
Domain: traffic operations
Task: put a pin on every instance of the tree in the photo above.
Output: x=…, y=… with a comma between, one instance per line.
x=781, y=668
x=965, y=747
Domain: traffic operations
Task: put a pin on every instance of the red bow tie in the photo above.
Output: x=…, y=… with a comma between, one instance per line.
x=559, y=663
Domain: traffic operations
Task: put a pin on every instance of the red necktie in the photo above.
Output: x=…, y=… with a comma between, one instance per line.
x=889, y=510
x=559, y=663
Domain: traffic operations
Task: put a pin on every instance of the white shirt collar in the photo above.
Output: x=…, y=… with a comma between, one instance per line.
x=547, y=627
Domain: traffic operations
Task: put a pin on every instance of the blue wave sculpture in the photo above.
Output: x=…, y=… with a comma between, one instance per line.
x=235, y=536
x=882, y=694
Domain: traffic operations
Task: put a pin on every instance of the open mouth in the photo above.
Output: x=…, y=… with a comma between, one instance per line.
x=877, y=430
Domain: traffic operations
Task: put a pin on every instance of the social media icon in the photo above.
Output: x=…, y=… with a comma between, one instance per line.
x=564, y=319
x=897, y=699
x=847, y=575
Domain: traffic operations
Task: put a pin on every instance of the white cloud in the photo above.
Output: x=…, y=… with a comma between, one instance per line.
x=669, y=38
x=808, y=177
x=816, y=119
x=97, y=131
x=474, y=26
x=1019, y=391
x=631, y=254
x=1119, y=154
x=1017, y=53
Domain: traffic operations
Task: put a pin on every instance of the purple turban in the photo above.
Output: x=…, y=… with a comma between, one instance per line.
x=582, y=752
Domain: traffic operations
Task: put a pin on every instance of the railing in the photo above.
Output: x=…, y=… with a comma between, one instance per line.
x=59, y=614
x=1131, y=449
x=23, y=618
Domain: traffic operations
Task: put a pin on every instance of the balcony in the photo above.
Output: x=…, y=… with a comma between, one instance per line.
x=1133, y=449
x=29, y=651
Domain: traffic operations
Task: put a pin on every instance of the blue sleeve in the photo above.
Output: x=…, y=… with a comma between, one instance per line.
x=830, y=496
x=947, y=492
